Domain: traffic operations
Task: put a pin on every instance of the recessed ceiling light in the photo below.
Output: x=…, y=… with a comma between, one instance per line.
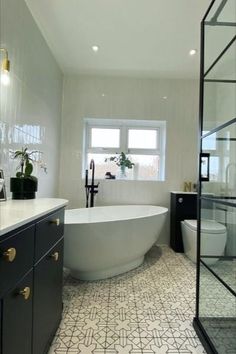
x=95, y=48
x=192, y=52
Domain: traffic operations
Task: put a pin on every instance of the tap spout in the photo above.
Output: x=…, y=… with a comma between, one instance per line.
x=92, y=167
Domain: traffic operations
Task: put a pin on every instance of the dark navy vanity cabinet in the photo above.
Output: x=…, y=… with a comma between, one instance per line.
x=182, y=206
x=31, y=265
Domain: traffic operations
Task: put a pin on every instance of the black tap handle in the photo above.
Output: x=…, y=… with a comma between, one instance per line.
x=86, y=178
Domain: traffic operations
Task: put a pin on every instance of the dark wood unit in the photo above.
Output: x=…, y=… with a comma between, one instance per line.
x=47, y=297
x=17, y=257
x=182, y=206
x=48, y=232
x=17, y=317
x=31, y=265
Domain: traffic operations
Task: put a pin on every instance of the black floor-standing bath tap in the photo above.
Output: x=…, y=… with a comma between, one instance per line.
x=91, y=189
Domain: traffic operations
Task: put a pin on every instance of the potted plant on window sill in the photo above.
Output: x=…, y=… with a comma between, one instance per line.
x=123, y=162
x=24, y=185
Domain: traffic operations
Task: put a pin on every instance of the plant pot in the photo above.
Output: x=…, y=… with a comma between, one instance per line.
x=23, y=188
x=122, y=173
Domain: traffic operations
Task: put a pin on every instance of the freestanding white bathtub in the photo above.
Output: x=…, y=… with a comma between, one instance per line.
x=105, y=241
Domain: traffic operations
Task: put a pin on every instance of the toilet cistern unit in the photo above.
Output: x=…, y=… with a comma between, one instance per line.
x=213, y=240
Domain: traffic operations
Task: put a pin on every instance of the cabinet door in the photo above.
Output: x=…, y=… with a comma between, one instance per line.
x=48, y=232
x=47, y=305
x=17, y=318
x=16, y=258
x=183, y=206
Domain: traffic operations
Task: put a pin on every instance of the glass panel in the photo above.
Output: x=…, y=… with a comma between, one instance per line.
x=216, y=40
x=225, y=68
x=105, y=137
x=146, y=167
x=226, y=14
x=218, y=250
x=217, y=312
x=219, y=104
x=142, y=139
x=220, y=97
x=217, y=301
x=222, y=148
x=217, y=37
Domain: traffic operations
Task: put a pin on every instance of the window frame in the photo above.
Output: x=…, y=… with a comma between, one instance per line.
x=124, y=125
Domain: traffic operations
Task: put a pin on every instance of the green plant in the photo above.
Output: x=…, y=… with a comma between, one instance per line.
x=121, y=160
x=27, y=159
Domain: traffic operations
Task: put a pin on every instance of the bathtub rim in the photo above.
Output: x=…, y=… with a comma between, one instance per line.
x=164, y=212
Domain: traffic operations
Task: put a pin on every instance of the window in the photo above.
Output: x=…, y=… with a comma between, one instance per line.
x=142, y=140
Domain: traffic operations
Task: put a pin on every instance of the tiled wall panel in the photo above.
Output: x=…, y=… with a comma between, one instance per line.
x=31, y=104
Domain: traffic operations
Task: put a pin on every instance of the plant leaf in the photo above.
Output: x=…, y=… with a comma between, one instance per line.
x=19, y=174
x=28, y=169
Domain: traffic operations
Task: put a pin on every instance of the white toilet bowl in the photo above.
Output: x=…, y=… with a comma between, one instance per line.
x=213, y=239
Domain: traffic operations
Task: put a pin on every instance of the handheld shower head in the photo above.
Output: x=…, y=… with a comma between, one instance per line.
x=92, y=164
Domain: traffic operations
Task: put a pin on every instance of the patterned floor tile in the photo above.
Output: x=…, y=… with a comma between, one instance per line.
x=189, y=345
x=148, y=310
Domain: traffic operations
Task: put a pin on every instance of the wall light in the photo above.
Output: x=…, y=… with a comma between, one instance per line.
x=193, y=52
x=95, y=48
x=5, y=68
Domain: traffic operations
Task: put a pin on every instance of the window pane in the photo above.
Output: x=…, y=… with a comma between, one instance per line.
x=146, y=166
x=102, y=137
x=142, y=139
x=101, y=167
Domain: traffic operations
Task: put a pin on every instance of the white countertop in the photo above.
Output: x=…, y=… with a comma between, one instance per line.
x=16, y=213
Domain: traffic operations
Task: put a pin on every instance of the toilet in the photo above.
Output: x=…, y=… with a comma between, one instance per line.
x=213, y=239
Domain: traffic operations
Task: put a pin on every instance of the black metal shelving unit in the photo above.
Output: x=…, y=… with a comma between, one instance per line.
x=215, y=319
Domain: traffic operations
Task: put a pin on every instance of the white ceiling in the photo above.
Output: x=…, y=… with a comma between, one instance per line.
x=149, y=38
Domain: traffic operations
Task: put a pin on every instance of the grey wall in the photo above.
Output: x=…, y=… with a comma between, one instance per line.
x=130, y=98
x=31, y=105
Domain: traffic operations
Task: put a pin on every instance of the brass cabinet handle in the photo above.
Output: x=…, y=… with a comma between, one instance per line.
x=55, y=256
x=10, y=254
x=55, y=221
x=25, y=292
